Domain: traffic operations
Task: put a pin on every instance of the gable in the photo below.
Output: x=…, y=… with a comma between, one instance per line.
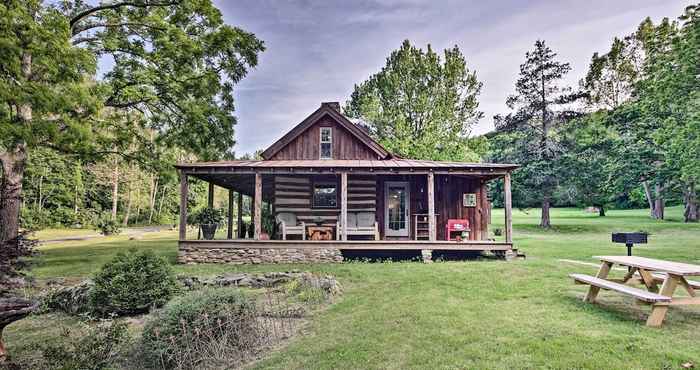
x=303, y=141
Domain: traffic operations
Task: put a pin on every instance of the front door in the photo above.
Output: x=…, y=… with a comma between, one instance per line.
x=396, y=214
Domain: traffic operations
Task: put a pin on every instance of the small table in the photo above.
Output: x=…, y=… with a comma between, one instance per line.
x=651, y=272
x=320, y=232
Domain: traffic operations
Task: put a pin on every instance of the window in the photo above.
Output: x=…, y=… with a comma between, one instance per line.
x=325, y=195
x=326, y=144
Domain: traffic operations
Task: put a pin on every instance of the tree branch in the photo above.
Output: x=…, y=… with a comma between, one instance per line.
x=86, y=13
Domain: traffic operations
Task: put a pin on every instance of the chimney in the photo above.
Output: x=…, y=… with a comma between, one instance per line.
x=332, y=105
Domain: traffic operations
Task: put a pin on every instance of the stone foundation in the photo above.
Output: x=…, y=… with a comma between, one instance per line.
x=239, y=256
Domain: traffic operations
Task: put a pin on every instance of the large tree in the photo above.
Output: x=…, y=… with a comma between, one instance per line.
x=173, y=62
x=420, y=105
x=541, y=106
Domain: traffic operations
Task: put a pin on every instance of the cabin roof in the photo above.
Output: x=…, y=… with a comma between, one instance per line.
x=409, y=164
x=332, y=110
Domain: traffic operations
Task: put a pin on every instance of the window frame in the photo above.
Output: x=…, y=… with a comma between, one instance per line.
x=321, y=142
x=334, y=183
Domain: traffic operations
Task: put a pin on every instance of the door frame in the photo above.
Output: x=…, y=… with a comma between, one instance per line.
x=407, y=187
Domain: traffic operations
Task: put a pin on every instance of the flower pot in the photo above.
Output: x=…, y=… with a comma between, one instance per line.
x=208, y=231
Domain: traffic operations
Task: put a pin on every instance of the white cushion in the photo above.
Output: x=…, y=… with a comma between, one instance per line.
x=352, y=220
x=365, y=219
x=289, y=219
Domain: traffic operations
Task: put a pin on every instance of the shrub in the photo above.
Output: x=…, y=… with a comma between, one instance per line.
x=132, y=283
x=205, y=327
x=95, y=349
x=108, y=226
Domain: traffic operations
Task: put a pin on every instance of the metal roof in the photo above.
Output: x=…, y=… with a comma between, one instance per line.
x=349, y=163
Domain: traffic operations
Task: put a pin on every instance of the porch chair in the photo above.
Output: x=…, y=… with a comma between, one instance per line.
x=360, y=223
x=290, y=226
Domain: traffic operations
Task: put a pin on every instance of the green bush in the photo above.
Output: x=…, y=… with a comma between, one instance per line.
x=205, y=326
x=208, y=216
x=132, y=283
x=108, y=226
x=96, y=348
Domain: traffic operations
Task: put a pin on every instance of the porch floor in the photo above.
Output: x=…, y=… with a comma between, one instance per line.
x=470, y=245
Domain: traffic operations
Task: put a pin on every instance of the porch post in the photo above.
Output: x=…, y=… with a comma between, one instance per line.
x=508, y=208
x=210, y=199
x=257, y=206
x=431, y=207
x=344, y=204
x=183, y=206
x=229, y=232
x=239, y=214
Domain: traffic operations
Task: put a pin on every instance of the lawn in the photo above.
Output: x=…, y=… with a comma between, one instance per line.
x=472, y=314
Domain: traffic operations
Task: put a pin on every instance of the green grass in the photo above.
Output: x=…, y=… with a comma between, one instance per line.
x=473, y=314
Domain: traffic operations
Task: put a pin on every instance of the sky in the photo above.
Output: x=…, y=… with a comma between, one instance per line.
x=317, y=50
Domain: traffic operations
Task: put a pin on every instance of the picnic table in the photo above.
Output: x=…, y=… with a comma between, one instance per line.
x=651, y=273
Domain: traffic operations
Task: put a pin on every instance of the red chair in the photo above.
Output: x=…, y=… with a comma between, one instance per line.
x=455, y=226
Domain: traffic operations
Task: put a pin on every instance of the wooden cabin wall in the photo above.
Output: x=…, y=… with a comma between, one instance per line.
x=448, y=204
x=294, y=194
x=306, y=145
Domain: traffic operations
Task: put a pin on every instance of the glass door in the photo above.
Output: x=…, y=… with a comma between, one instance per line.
x=396, y=215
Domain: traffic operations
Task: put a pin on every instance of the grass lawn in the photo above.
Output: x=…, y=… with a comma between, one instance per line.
x=473, y=314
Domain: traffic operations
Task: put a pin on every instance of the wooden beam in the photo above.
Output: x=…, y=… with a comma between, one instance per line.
x=508, y=204
x=344, y=204
x=239, y=214
x=183, y=206
x=432, y=235
x=210, y=198
x=229, y=231
x=257, y=207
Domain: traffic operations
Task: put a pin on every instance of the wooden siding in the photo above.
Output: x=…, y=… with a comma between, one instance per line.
x=294, y=194
x=306, y=145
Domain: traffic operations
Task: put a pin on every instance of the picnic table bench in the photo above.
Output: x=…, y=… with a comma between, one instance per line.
x=650, y=272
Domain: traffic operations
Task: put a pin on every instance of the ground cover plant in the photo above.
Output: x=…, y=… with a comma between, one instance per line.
x=472, y=314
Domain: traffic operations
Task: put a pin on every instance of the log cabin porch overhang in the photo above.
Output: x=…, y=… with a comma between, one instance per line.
x=435, y=189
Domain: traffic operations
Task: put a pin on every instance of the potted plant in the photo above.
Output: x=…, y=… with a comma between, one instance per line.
x=209, y=220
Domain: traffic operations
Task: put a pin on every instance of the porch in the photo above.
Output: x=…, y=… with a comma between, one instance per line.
x=410, y=202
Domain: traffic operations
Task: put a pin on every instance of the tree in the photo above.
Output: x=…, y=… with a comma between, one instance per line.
x=541, y=107
x=175, y=62
x=420, y=105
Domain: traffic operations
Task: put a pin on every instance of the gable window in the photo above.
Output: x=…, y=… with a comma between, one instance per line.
x=325, y=195
x=326, y=143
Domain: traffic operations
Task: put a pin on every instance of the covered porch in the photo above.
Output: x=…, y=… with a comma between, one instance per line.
x=405, y=205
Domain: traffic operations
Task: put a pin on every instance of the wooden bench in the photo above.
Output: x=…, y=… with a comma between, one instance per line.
x=659, y=278
x=639, y=294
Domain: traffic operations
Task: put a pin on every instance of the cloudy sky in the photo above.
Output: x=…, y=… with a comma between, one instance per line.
x=318, y=49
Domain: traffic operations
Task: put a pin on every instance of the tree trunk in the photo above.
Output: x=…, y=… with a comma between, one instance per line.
x=154, y=191
x=659, y=202
x=162, y=197
x=128, y=207
x=691, y=203
x=138, y=200
x=601, y=211
x=545, y=221
x=115, y=191
x=13, y=165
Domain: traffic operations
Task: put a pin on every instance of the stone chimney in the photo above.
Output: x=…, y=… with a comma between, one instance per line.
x=332, y=105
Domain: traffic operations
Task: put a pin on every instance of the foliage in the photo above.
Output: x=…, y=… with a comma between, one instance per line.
x=95, y=348
x=108, y=226
x=420, y=105
x=209, y=216
x=179, y=335
x=132, y=283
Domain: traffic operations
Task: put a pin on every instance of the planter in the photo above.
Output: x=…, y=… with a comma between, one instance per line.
x=208, y=231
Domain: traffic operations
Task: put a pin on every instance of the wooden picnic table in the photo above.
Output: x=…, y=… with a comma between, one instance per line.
x=650, y=272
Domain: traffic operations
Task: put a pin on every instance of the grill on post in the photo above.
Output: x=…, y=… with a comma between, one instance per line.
x=629, y=239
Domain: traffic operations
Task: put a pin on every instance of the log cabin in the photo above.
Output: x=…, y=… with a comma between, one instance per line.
x=334, y=190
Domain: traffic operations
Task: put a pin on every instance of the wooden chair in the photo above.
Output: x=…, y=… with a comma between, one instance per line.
x=290, y=226
x=360, y=223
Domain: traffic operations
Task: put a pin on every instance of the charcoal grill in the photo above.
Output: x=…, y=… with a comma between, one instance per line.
x=629, y=240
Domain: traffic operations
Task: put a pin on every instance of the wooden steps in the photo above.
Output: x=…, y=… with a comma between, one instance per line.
x=639, y=294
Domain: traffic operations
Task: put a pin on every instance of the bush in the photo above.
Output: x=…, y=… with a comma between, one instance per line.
x=95, y=349
x=203, y=328
x=208, y=216
x=132, y=283
x=108, y=226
